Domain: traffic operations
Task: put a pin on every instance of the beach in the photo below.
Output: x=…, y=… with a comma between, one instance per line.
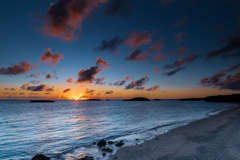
x=216, y=137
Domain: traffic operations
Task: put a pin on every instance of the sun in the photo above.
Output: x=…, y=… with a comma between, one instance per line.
x=75, y=97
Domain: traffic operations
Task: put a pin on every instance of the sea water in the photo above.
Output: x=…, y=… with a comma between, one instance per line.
x=68, y=129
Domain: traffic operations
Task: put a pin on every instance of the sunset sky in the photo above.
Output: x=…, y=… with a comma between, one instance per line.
x=118, y=49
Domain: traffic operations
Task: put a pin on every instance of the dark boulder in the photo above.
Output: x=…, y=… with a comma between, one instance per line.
x=104, y=154
x=119, y=144
x=107, y=150
x=110, y=142
x=101, y=143
x=40, y=157
x=87, y=158
x=94, y=143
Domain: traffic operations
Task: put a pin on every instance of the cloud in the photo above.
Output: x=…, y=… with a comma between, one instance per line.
x=181, y=21
x=173, y=72
x=17, y=68
x=139, y=82
x=153, y=88
x=50, y=89
x=233, y=67
x=136, y=39
x=217, y=80
x=35, y=82
x=89, y=91
x=48, y=76
x=127, y=78
x=66, y=90
x=20, y=93
x=111, y=45
x=12, y=89
x=70, y=80
x=166, y=2
x=232, y=44
x=159, y=58
x=136, y=56
x=179, y=36
x=41, y=87
x=50, y=59
x=88, y=75
x=156, y=70
x=158, y=46
x=109, y=92
x=177, y=64
x=139, y=88
x=5, y=88
x=218, y=28
x=118, y=7
x=35, y=75
x=179, y=51
x=64, y=18
x=118, y=83
x=100, y=80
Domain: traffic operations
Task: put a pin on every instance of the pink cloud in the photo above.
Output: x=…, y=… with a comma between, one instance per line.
x=49, y=58
x=17, y=68
x=136, y=39
x=159, y=57
x=156, y=70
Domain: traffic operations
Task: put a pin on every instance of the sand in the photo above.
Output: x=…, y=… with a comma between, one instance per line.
x=213, y=138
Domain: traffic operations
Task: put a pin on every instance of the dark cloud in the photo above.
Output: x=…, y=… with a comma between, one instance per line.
x=158, y=46
x=217, y=80
x=181, y=21
x=118, y=7
x=137, y=56
x=156, y=70
x=5, y=88
x=159, y=57
x=66, y=90
x=179, y=51
x=179, y=36
x=139, y=88
x=118, y=83
x=218, y=28
x=35, y=81
x=41, y=87
x=89, y=91
x=50, y=59
x=173, y=72
x=48, y=76
x=35, y=75
x=64, y=18
x=177, y=64
x=233, y=67
x=12, y=89
x=88, y=75
x=111, y=45
x=18, y=68
x=50, y=89
x=136, y=39
x=139, y=82
x=153, y=88
x=232, y=44
x=21, y=93
x=109, y=92
x=100, y=80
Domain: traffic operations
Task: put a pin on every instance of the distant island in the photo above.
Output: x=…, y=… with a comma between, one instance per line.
x=41, y=101
x=94, y=99
x=107, y=99
x=137, y=99
x=156, y=99
x=219, y=98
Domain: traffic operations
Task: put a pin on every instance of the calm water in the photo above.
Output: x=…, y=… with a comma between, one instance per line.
x=67, y=129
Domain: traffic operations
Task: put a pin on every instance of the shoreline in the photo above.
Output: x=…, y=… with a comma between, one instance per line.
x=213, y=137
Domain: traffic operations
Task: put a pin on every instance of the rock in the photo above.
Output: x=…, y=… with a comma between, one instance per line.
x=110, y=142
x=94, y=143
x=136, y=139
x=104, y=154
x=107, y=150
x=121, y=141
x=40, y=157
x=119, y=144
x=87, y=158
x=101, y=143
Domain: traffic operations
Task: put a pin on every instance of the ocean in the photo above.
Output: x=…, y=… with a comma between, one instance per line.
x=68, y=129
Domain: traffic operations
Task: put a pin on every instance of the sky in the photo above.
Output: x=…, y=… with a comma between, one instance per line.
x=119, y=49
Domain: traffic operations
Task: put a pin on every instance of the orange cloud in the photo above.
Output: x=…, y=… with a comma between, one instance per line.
x=70, y=80
x=64, y=18
x=48, y=76
x=158, y=46
x=35, y=75
x=153, y=88
x=49, y=58
x=159, y=57
x=17, y=68
x=138, y=39
x=156, y=70
x=66, y=90
x=128, y=77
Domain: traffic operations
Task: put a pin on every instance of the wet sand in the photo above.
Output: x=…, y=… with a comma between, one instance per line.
x=213, y=138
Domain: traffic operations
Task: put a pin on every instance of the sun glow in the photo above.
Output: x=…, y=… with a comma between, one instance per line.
x=75, y=97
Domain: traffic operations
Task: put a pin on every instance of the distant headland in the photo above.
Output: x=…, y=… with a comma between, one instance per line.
x=219, y=98
x=137, y=99
x=41, y=101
